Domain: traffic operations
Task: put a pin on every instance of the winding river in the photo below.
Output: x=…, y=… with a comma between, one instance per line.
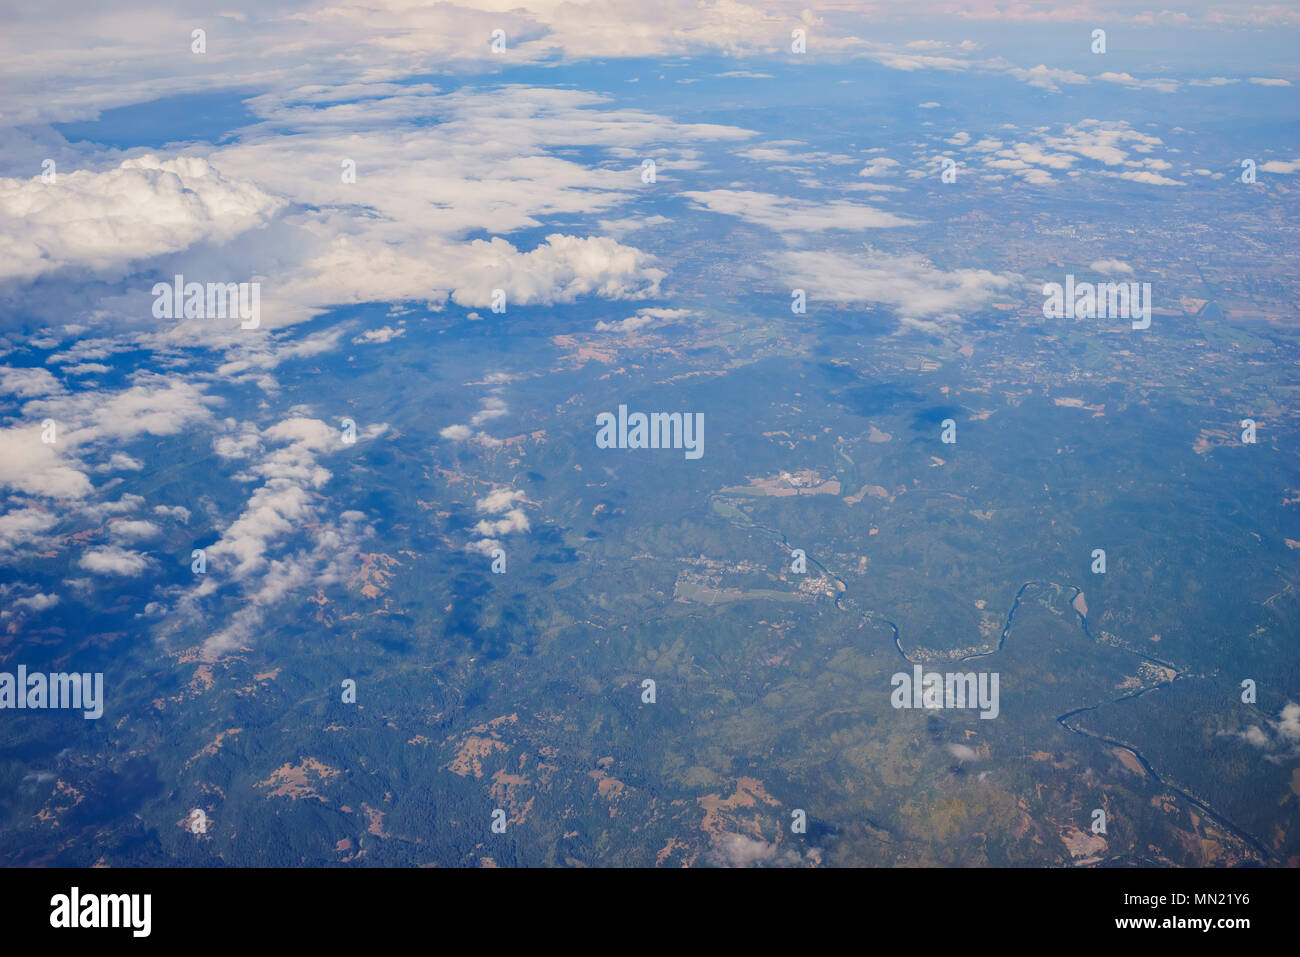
x=1064, y=719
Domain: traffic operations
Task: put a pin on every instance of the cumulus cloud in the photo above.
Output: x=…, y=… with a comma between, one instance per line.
x=561, y=269
x=103, y=510
x=330, y=552
x=1280, y=166
x=102, y=221
x=486, y=165
x=1145, y=176
x=382, y=334
x=492, y=408
x=36, y=602
x=1047, y=78
x=23, y=529
x=741, y=850
x=788, y=214
x=114, y=560
x=91, y=423
x=779, y=157
x=26, y=383
x=643, y=318
x=499, y=500
x=1104, y=142
x=178, y=512
x=484, y=546
x=154, y=404
x=1133, y=83
x=274, y=510
x=34, y=467
x=247, y=357
x=120, y=462
x=1111, y=267
x=285, y=538
x=656, y=313
x=133, y=530
x=513, y=521
x=737, y=850
x=630, y=324
x=1280, y=736
x=878, y=165
x=907, y=283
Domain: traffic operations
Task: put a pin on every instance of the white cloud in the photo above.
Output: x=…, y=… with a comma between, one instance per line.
x=24, y=528
x=1100, y=141
x=909, y=284
x=33, y=467
x=285, y=538
x=963, y=752
x=787, y=214
x=498, y=500
x=491, y=408
x=878, y=165
x=113, y=560
x=178, y=512
x=1111, y=267
x=382, y=334
x=630, y=324
x=120, y=462
x=36, y=602
x=642, y=319
x=513, y=521
x=485, y=166
x=559, y=270
x=26, y=383
x=1133, y=83
x=1280, y=736
x=103, y=221
x=1147, y=177
x=738, y=850
x=1047, y=78
x=133, y=530
x=154, y=405
x=1280, y=166
x=484, y=546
